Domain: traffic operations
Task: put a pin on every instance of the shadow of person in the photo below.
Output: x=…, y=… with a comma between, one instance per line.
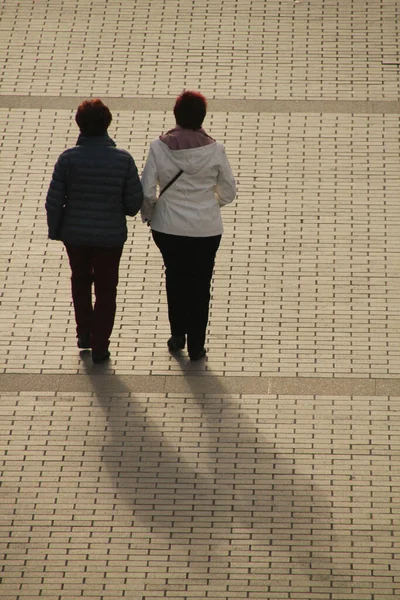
x=208, y=474
x=144, y=454
x=273, y=511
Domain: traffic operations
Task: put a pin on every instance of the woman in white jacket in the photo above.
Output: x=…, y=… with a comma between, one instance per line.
x=186, y=179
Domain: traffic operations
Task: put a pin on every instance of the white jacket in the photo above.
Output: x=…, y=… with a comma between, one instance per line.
x=191, y=205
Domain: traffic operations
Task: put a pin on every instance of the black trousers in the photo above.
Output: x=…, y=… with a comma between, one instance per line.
x=189, y=264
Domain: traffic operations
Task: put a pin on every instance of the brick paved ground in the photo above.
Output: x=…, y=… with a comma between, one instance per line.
x=270, y=470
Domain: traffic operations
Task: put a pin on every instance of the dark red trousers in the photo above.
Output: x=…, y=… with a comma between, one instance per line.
x=98, y=266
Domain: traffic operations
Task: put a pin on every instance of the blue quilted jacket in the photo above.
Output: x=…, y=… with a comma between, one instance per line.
x=94, y=186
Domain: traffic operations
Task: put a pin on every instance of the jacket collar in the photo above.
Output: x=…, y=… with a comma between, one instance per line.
x=95, y=140
x=184, y=139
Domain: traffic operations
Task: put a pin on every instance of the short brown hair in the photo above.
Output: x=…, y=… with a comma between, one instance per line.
x=93, y=117
x=190, y=109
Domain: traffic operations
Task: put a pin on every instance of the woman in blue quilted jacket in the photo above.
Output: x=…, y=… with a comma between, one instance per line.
x=95, y=185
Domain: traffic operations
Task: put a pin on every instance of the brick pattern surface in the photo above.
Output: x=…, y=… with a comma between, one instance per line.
x=307, y=280
x=199, y=496
x=342, y=49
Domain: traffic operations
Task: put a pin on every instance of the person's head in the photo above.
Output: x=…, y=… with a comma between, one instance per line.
x=190, y=109
x=93, y=117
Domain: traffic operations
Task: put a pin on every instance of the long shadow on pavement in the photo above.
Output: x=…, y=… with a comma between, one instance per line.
x=197, y=471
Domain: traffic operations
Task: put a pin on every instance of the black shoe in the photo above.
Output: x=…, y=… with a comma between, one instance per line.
x=83, y=341
x=99, y=358
x=198, y=355
x=176, y=343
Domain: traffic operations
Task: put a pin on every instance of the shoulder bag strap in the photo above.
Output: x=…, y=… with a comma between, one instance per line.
x=170, y=183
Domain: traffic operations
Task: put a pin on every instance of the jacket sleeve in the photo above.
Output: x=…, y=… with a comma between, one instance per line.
x=149, y=183
x=225, y=189
x=133, y=193
x=56, y=198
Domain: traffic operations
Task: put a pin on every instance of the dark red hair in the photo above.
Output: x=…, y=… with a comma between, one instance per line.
x=190, y=109
x=93, y=117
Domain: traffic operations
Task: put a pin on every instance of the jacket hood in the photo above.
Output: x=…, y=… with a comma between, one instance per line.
x=191, y=160
x=179, y=138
